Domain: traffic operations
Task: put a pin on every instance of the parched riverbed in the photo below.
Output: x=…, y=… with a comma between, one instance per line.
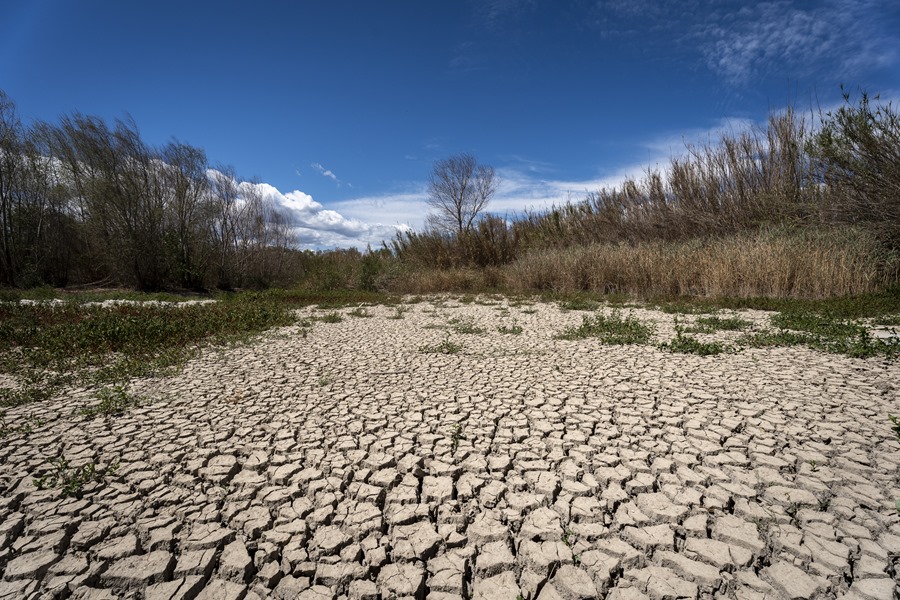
x=342, y=461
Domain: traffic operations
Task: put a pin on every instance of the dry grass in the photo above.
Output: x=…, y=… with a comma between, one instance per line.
x=810, y=263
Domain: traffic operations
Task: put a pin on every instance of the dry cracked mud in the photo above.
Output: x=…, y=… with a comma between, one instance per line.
x=345, y=463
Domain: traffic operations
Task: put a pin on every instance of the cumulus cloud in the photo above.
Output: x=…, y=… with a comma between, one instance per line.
x=318, y=227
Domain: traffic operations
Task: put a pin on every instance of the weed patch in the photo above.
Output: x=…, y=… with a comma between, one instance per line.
x=716, y=323
x=332, y=317
x=613, y=329
x=112, y=401
x=579, y=303
x=824, y=332
x=514, y=329
x=71, y=480
x=466, y=326
x=446, y=346
x=49, y=346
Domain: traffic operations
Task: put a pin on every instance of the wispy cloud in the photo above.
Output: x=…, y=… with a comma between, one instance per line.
x=747, y=41
x=495, y=14
x=329, y=174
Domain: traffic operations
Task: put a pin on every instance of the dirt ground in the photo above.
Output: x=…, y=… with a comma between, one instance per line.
x=342, y=461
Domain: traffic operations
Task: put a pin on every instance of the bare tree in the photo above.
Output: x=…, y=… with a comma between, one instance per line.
x=459, y=190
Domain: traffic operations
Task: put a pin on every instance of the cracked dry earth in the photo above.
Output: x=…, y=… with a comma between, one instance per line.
x=348, y=464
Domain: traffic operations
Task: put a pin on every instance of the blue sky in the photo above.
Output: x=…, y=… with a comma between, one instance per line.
x=340, y=108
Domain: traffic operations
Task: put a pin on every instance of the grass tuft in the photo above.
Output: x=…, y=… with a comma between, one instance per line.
x=613, y=329
x=446, y=346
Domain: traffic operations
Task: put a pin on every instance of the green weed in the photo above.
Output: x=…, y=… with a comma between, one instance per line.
x=686, y=344
x=112, y=401
x=47, y=347
x=455, y=437
x=612, y=329
x=465, y=326
x=332, y=317
x=514, y=329
x=31, y=423
x=360, y=313
x=444, y=347
x=579, y=303
x=716, y=323
x=71, y=480
x=825, y=332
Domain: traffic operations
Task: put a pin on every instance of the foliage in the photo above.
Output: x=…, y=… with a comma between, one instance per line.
x=112, y=401
x=513, y=329
x=446, y=346
x=686, y=344
x=466, y=326
x=612, y=329
x=823, y=331
x=71, y=480
x=48, y=346
x=857, y=152
x=716, y=323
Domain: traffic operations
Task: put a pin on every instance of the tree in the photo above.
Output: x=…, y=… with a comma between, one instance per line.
x=857, y=152
x=459, y=190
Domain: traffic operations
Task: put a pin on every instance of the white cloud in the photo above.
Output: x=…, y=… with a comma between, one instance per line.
x=329, y=174
x=318, y=227
x=756, y=39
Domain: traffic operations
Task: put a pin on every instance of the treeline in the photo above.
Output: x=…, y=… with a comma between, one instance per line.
x=843, y=172
x=82, y=202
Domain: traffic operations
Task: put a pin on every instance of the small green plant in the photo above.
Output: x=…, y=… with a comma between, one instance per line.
x=514, y=329
x=444, y=347
x=112, y=401
x=71, y=480
x=325, y=382
x=824, y=501
x=399, y=310
x=895, y=425
x=793, y=510
x=813, y=466
x=579, y=303
x=716, y=323
x=455, y=436
x=332, y=317
x=613, y=329
x=466, y=326
x=529, y=311
x=467, y=299
x=685, y=344
x=31, y=423
x=360, y=313
x=823, y=332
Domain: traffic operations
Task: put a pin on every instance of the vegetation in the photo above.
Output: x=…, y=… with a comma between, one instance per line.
x=112, y=401
x=446, y=346
x=714, y=323
x=513, y=329
x=611, y=329
x=823, y=331
x=47, y=346
x=760, y=213
x=686, y=344
x=71, y=480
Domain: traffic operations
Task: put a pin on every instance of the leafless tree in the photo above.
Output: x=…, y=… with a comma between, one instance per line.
x=459, y=190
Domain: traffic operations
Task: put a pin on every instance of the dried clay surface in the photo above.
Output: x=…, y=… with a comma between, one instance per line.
x=341, y=461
